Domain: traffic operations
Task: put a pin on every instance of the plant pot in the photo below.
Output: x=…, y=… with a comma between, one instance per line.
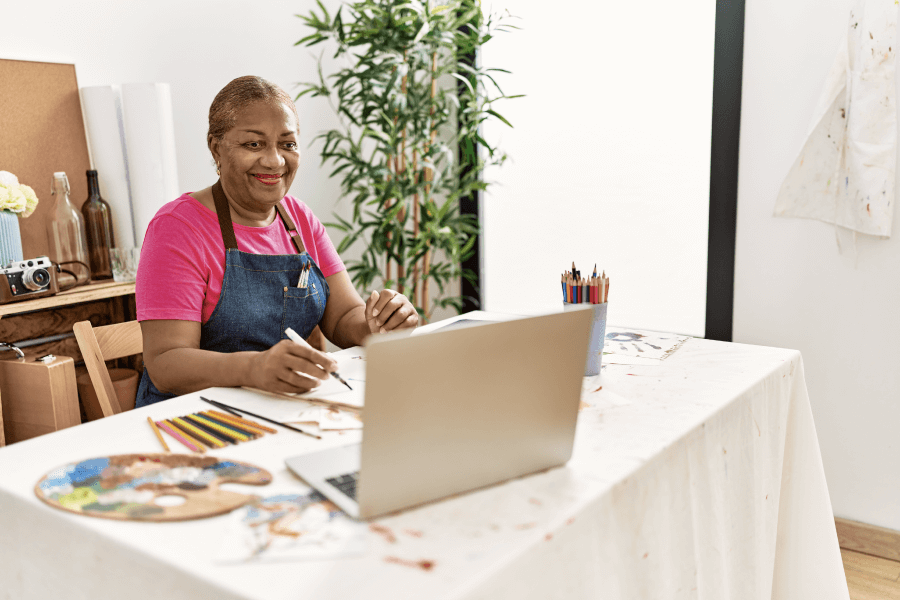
x=125, y=381
x=10, y=238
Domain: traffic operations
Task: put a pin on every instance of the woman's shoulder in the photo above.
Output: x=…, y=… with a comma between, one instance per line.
x=301, y=212
x=187, y=210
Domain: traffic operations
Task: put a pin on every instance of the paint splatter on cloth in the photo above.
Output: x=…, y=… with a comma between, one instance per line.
x=845, y=172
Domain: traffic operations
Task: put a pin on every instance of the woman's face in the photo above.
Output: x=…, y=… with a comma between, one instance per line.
x=258, y=157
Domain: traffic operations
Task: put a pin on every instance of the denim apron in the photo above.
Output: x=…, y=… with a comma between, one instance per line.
x=259, y=299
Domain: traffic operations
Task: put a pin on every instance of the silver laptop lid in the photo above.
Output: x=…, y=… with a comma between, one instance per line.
x=456, y=410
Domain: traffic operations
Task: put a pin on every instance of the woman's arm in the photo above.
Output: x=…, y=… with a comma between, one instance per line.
x=176, y=363
x=348, y=320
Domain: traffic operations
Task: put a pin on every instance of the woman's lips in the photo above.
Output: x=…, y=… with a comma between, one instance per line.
x=267, y=179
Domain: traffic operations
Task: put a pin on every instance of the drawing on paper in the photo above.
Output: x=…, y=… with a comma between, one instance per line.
x=291, y=527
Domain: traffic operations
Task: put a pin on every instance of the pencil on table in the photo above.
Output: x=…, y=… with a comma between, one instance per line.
x=180, y=438
x=243, y=422
x=252, y=434
x=215, y=429
x=198, y=434
x=158, y=434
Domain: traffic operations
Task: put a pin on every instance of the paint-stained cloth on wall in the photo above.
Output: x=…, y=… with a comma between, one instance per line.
x=845, y=172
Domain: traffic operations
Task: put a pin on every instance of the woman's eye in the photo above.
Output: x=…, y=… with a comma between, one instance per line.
x=253, y=145
x=290, y=145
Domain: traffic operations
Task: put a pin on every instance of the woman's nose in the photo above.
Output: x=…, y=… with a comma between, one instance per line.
x=272, y=158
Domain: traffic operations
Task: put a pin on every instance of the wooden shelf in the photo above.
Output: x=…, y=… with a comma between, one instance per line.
x=86, y=293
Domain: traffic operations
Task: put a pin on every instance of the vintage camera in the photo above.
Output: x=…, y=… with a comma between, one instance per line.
x=26, y=279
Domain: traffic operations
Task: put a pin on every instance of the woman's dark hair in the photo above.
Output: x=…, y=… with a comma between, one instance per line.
x=236, y=96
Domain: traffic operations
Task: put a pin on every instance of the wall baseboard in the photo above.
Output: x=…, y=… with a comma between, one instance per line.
x=868, y=539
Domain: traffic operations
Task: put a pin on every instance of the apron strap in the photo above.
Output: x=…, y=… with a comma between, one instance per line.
x=291, y=229
x=223, y=211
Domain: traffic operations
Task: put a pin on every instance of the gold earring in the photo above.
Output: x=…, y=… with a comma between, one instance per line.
x=219, y=173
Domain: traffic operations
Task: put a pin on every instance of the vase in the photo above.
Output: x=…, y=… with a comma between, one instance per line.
x=10, y=238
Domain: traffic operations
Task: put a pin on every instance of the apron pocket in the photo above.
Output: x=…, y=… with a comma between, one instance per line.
x=303, y=309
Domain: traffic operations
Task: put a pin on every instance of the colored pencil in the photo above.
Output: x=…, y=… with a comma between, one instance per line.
x=242, y=430
x=224, y=429
x=268, y=420
x=194, y=447
x=242, y=422
x=222, y=437
x=198, y=433
x=158, y=434
x=186, y=433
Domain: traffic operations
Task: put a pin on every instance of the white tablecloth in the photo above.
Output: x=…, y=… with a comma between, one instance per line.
x=698, y=477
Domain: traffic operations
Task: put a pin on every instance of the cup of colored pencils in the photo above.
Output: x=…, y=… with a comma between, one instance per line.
x=592, y=290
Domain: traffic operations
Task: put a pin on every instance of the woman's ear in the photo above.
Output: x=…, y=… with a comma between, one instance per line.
x=213, y=145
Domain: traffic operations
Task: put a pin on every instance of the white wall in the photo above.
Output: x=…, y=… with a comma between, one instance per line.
x=610, y=158
x=196, y=46
x=793, y=288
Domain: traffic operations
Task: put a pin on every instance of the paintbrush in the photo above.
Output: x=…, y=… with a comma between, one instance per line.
x=274, y=422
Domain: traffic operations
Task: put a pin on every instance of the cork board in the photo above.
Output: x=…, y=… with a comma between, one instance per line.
x=43, y=132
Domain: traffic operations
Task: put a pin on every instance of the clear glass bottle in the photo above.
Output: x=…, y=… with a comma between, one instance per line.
x=98, y=224
x=66, y=233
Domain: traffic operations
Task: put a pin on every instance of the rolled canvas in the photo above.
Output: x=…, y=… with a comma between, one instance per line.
x=106, y=138
x=150, y=143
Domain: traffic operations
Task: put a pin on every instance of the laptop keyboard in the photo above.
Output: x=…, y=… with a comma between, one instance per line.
x=345, y=483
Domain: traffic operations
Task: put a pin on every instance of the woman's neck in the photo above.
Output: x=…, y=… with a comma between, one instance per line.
x=239, y=214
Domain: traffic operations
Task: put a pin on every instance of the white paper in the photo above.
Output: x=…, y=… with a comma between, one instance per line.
x=328, y=418
x=352, y=367
x=150, y=144
x=845, y=172
x=648, y=346
x=102, y=108
x=290, y=527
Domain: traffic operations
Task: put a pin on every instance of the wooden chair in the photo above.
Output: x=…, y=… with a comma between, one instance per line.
x=100, y=344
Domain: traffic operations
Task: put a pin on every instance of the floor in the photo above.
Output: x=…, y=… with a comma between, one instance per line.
x=871, y=577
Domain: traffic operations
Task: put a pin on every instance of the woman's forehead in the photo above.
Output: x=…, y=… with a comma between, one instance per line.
x=266, y=117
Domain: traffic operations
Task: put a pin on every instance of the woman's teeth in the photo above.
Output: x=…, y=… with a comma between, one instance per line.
x=268, y=179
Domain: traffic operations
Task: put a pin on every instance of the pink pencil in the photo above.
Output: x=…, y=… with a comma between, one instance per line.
x=179, y=437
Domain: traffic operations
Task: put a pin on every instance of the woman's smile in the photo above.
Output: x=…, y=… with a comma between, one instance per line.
x=268, y=178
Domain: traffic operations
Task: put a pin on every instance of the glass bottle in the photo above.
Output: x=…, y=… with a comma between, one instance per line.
x=98, y=224
x=66, y=233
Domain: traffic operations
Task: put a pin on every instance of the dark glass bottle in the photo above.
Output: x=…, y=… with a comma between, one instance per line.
x=98, y=223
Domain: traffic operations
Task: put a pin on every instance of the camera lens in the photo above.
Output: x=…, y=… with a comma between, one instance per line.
x=35, y=279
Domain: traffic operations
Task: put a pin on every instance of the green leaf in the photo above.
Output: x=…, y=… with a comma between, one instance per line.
x=499, y=116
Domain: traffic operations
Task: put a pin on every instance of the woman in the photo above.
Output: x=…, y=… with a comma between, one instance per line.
x=224, y=271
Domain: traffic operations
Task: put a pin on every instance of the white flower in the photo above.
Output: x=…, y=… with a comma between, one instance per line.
x=8, y=179
x=31, y=200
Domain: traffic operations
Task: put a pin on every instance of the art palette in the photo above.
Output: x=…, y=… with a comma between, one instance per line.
x=126, y=486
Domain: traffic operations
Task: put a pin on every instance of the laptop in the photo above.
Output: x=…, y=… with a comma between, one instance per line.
x=456, y=410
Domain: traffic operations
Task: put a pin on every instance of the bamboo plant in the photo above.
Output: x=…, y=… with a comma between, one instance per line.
x=402, y=128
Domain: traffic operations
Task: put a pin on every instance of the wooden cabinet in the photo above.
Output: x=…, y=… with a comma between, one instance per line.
x=36, y=398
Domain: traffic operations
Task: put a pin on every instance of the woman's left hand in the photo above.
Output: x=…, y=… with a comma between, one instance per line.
x=388, y=310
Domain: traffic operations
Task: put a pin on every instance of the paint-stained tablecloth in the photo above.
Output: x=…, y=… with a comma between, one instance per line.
x=698, y=476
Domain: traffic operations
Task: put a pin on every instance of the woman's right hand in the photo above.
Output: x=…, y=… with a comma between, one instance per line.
x=290, y=367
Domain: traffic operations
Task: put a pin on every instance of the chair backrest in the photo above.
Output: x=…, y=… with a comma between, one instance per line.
x=99, y=344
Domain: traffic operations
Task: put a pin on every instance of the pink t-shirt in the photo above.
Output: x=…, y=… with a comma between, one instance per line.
x=183, y=258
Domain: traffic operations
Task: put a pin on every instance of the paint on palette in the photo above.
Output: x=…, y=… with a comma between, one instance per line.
x=126, y=486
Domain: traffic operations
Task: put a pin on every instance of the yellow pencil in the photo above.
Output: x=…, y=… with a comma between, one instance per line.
x=223, y=430
x=199, y=433
x=158, y=434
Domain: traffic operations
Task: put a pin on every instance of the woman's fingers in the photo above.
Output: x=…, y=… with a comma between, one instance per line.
x=373, y=299
x=391, y=311
x=400, y=315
